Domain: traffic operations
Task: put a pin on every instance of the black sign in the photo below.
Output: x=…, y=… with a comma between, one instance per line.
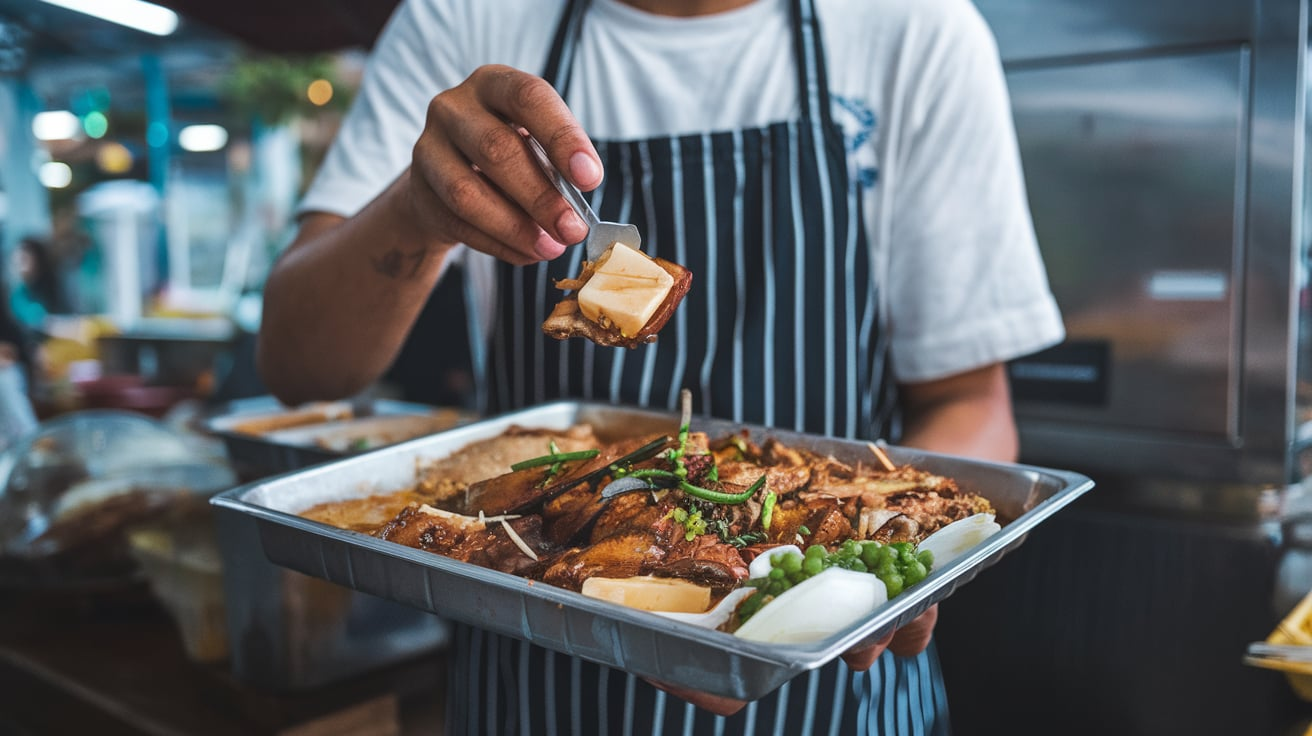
x=1075, y=372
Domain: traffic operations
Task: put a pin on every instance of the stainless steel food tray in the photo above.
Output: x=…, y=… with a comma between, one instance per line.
x=636, y=641
x=258, y=455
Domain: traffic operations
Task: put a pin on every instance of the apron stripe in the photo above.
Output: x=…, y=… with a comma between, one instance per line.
x=812, y=691
x=836, y=707
x=888, y=694
x=771, y=291
x=798, y=347
x=739, y=271
x=517, y=335
x=603, y=698
x=626, y=211
x=680, y=256
x=711, y=234
x=539, y=344
x=852, y=408
x=648, y=195
x=630, y=684
x=658, y=712
x=781, y=709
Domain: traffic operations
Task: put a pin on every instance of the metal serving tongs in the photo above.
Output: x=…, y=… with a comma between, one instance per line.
x=601, y=235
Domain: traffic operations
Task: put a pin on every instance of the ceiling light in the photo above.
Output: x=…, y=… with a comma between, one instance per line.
x=55, y=175
x=142, y=16
x=55, y=125
x=203, y=138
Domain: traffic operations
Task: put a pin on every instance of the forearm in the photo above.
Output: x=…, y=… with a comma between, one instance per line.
x=339, y=303
x=968, y=415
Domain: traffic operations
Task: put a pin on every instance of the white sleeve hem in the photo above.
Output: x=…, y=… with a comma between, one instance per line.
x=1003, y=336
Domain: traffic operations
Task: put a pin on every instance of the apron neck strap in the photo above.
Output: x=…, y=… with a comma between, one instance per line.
x=808, y=50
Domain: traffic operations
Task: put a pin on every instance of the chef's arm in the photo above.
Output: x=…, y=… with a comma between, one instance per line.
x=338, y=304
x=968, y=414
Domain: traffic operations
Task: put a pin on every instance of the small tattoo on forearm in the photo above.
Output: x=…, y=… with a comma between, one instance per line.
x=395, y=264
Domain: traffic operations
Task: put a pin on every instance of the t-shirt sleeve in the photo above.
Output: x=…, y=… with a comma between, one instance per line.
x=414, y=58
x=965, y=283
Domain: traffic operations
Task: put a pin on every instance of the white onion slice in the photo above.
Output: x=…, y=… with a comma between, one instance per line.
x=760, y=567
x=816, y=608
x=959, y=537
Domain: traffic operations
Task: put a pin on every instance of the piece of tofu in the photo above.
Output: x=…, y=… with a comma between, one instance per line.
x=626, y=289
x=651, y=593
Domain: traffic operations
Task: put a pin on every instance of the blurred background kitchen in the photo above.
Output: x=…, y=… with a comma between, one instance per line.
x=150, y=161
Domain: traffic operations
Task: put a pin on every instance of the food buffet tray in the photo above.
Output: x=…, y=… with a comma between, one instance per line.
x=327, y=438
x=643, y=643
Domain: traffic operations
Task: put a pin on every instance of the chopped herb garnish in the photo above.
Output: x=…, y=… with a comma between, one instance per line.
x=743, y=540
x=554, y=458
x=692, y=522
x=767, y=509
x=707, y=494
x=803, y=530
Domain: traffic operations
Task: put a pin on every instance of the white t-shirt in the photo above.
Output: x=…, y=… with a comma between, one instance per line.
x=916, y=85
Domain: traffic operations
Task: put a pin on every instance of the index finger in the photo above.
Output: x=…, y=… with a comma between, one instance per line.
x=532, y=103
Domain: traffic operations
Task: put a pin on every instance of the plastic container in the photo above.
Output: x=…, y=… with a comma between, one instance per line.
x=185, y=572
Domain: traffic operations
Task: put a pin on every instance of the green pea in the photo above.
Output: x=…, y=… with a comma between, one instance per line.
x=926, y=558
x=893, y=583
x=777, y=574
x=870, y=554
x=915, y=572
x=887, y=554
x=813, y=566
x=791, y=562
x=850, y=548
x=857, y=565
x=816, y=550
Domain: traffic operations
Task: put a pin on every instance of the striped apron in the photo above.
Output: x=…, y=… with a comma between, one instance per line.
x=780, y=328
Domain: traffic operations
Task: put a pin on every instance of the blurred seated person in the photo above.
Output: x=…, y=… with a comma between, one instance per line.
x=37, y=294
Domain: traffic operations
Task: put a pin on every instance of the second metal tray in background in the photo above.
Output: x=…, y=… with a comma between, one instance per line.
x=635, y=641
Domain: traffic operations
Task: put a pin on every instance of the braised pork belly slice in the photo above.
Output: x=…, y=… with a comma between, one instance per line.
x=621, y=300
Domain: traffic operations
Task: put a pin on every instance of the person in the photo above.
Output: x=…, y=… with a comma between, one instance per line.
x=38, y=293
x=844, y=182
x=17, y=417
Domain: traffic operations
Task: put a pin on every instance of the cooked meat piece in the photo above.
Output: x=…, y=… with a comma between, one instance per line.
x=933, y=511
x=829, y=526
x=631, y=511
x=618, y=556
x=414, y=528
x=566, y=515
x=445, y=478
x=899, y=528
x=493, y=547
x=774, y=452
x=366, y=514
x=713, y=574
x=704, y=560
x=567, y=320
